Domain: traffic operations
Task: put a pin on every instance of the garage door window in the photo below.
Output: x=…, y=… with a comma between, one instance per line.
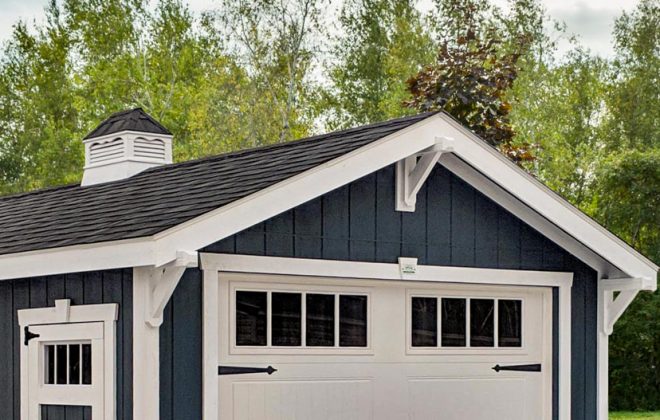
x=300, y=319
x=451, y=322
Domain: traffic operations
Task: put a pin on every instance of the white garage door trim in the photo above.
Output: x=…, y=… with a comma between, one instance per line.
x=212, y=264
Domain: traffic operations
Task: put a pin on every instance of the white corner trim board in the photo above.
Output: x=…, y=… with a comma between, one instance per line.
x=152, y=290
x=73, y=325
x=573, y=230
x=212, y=264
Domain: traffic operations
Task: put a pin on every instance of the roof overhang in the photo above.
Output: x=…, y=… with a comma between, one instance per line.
x=472, y=159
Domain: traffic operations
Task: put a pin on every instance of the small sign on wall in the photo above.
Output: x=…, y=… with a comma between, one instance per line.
x=407, y=266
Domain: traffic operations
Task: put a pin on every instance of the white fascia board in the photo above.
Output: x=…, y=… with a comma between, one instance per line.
x=241, y=214
x=541, y=199
x=78, y=258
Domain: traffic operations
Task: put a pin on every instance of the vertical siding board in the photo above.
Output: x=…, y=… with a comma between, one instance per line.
x=279, y=235
x=187, y=347
x=388, y=220
x=555, y=353
x=508, y=240
x=413, y=230
x=21, y=300
x=462, y=224
x=55, y=290
x=485, y=232
x=251, y=241
x=127, y=343
x=166, y=363
x=336, y=224
x=38, y=292
x=93, y=288
x=6, y=351
x=438, y=216
x=225, y=246
x=112, y=293
x=308, y=228
x=362, y=219
x=553, y=256
x=591, y=341
x=531, y=248
x=578, y=345
x=73, y=288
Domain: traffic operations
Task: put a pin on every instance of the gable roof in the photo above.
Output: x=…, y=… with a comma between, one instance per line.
x=162, y=214
x=130, y=120
x=163, y=197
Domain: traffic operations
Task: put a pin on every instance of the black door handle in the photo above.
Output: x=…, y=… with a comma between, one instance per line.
x=238, y=370
x=519, y=368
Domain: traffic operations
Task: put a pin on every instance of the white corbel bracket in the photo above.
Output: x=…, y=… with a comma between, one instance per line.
x=412, y=172
x=613, y=307
x=162, y=282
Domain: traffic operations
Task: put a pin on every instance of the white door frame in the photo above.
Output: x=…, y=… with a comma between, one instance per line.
x=65, y=313
x=213, y=264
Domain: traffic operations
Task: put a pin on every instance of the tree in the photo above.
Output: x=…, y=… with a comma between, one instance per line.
x=471, y=76
x=382, y=44
x=276, y=41
x=558, y=109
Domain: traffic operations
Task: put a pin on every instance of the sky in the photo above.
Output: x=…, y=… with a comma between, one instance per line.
x=590, y=20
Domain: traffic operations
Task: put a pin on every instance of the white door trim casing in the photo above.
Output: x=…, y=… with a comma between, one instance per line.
x=212, y=264
x=64, y=313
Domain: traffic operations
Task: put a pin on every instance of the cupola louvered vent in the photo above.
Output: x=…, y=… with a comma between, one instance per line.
x=149, y=149
x=101, y=152
x=125, y=144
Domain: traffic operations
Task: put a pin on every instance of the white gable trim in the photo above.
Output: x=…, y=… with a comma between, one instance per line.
x=591, y=242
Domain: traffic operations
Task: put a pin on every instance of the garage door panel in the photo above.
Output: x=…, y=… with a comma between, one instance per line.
x=338, y=399
x=468, y=398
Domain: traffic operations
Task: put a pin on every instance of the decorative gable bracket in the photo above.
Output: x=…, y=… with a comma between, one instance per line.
x=162, y=282
x=412, y=172
x=614, y=306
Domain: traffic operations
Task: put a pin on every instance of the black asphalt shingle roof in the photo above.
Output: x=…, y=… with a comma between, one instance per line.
x=133, y=120
x=163, y=197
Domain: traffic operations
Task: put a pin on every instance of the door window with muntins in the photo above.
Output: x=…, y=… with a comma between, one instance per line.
x=300, y=319
x=465, y=322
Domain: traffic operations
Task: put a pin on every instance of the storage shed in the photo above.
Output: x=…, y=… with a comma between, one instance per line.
x=400, y=270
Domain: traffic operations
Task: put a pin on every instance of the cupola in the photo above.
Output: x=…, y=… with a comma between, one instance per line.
x=126, y=143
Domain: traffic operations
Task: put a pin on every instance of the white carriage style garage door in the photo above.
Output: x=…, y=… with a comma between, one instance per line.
x=362, y=349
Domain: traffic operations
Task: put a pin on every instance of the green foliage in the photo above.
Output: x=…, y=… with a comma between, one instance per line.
x=472, y=75
x=382, y=44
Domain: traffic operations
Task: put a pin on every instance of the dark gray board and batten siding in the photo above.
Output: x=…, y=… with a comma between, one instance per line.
x=113, y=286
x=454, y=225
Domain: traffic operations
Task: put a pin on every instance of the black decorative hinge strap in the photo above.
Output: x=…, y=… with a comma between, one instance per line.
x=29, y=335
x=238, y=370
x=519, y=368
